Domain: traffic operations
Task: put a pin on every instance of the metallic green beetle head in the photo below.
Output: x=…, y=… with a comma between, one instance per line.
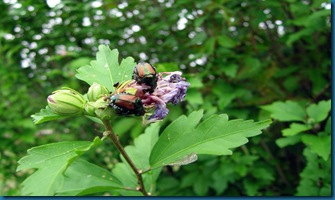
x=145, y=73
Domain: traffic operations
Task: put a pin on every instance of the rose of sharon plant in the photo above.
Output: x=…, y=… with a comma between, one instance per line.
x=121, y=90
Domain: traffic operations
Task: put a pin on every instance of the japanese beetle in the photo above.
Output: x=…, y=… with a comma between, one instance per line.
x=145, y=73
x=126, y=104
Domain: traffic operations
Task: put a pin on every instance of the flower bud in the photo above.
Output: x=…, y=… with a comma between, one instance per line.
x=89, y=109
x=66, y=102
x=96, y=91
x=105, y=113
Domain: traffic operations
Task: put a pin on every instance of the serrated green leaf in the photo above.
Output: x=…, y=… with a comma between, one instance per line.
x=51, y=160
x=319, y=145
x=139, y=153
x=106, y=69
x=296, y=128
x=83, y=178
x=216, y=135
x=286, y=111
x=45, y=115
x=319, y=112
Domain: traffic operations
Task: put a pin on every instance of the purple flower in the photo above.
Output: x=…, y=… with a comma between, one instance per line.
x=170, y=89
x=160, y=112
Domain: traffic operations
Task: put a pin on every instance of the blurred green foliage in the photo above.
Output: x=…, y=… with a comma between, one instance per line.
x=238, y=56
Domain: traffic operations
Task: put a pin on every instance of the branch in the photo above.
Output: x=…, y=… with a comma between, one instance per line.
x=110, y=133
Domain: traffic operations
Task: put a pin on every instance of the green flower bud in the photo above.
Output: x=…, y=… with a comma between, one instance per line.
x=89, y=109
x=96, y=91
x=105, y=113
x=66, y=102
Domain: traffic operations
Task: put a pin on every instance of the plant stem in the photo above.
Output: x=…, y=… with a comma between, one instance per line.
x=115, y=139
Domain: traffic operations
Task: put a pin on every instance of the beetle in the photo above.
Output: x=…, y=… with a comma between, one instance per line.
x=126, y=104
x=145, y=73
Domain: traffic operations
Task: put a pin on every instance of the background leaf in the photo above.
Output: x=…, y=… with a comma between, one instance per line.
x=106, y=69
x=315, y=179
x=319, y=112
x=321, y=145
x=296, y=128
x=286, y=111
x=286, y=141
x=51, y=160
x=216, y=135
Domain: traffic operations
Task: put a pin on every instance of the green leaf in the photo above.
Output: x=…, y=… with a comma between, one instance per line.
x=296, y=128
x=321, y=145
x=167, y=67
x=316, y=176
x=262, y=173
x=127, y=177
x=194, y=97
x=45, y=115
x=199, y=38
x=296, y=36
x=317, y=18
x=139, y=154
x=250, y=187
x=106, y=69
x=200, y=20
x=230, y=70
x=286, y=111
x=319, y=112
x=140, y=151
x=216, y=135
x=188, y=179
x=208, y=46
x=83, y=178
x=201, y=184
x=328, y=127
x=195, y=82
x=286, y=141
x=51, y=160
x=226, y=41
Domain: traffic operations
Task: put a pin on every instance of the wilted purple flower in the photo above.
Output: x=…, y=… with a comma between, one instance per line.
x=160, y=112
x=170, y=89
